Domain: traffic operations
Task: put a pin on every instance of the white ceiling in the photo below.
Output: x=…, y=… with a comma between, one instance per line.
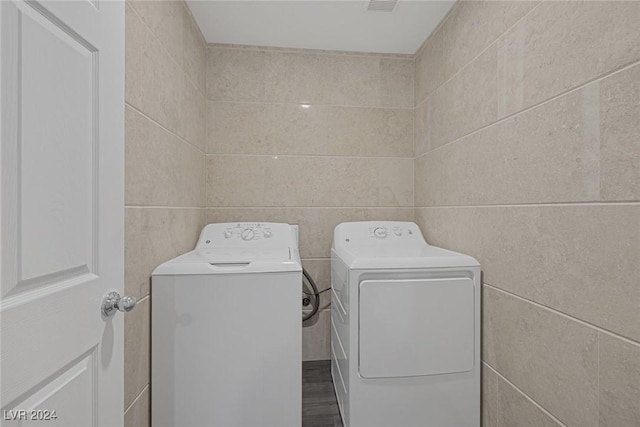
x=344, y=25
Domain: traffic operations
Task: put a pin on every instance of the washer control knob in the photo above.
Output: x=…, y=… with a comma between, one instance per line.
x=227, y=234
x=266, y=233
x=398, y=232
x=247, y=234
x=380, y=233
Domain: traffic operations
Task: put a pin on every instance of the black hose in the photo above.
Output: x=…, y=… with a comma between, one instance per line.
x=316, y=296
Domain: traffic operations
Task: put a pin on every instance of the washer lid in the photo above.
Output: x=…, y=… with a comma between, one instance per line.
x=231, y=260
x=227, y=248
x=391, y=244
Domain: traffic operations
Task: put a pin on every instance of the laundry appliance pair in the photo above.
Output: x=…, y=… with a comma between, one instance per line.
x=227, y=333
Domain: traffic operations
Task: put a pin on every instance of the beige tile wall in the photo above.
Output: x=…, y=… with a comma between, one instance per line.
x=312, y=138
x=164, y=166
x=527, y=143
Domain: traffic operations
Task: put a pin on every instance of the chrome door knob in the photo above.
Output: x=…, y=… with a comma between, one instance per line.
x=113, y=302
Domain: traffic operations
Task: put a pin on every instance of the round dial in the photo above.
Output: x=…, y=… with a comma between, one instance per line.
x=227, y=234
x=267, y=233
x=398, y=232
x=380, y=233
x=247, y=234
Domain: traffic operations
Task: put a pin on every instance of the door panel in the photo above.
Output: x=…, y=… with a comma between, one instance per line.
x=56, y=203
x=62, y=104
x=416, y=327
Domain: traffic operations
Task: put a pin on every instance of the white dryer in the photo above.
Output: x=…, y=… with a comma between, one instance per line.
x=227, y=332
x=405, y=336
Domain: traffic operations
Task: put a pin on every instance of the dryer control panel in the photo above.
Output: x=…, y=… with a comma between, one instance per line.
x=247, y=234
x=387, y=233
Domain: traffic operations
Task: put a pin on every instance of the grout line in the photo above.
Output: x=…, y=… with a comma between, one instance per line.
x=151, y=119
x=540, y=407
x=539, y=104
x=144, y=297
x=424, y=101
x=497, y=389
x=306, y=207
x=546, y=204
x=296, y=156
x=566, y=316
x=180, y=67
x=145, y=388
x=311, y=104
x=310, y=51
x=163, y=207
x=598, y=376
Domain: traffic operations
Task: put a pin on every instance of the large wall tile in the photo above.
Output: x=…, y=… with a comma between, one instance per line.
x=257, y=128
x=430, y=66
x=316, y=224
x=620, y=150
x=551, y=358
x=489, y=397
x=193, y=108
x=421, y=136
x=339, y=79
x=308, y=181
x=548, y=154
x=619, y=382
x=235, y=74
x=153, y=80
x=195, y=51
x=581, y=260
x=295, y=76
x=155, y=235
x=137, y=353
x=466, y=102
x=515, y=410
x=562, y=44
x=160, y=168
x=316, y=337
x=166, y=20
x=139, y=415
x=397, y=82
x=473, y=25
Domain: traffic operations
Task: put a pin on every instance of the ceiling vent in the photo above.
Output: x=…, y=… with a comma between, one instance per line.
x=382, y=5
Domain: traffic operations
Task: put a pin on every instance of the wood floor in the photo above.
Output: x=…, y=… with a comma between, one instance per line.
x=319, y=406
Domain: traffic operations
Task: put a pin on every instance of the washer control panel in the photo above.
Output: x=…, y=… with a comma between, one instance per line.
x=249, y=234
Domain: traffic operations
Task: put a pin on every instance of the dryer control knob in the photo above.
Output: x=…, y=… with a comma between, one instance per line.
x=227, y=234
x=247, y=234
x=380, y=233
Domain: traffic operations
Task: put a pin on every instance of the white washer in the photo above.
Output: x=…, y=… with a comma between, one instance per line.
x=227, y=331
x=405, y=336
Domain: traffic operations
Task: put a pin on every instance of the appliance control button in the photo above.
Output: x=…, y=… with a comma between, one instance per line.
x=247, y=234
x=398, y=232
x=380, y=233
x=267, y=233
x=227, y=234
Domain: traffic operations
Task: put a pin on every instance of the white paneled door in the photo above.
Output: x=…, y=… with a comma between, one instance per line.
x=62, y=185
